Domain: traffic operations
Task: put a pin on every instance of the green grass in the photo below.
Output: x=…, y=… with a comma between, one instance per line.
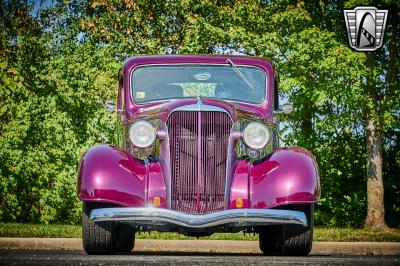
x=356, y=235
x=320, y=234
x=39, y=230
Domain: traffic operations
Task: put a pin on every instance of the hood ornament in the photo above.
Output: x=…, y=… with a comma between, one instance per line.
x=199, y=103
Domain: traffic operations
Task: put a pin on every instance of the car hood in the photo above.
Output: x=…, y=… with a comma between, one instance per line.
x=162, y=109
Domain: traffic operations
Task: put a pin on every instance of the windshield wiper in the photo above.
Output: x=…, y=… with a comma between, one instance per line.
x=240, y=74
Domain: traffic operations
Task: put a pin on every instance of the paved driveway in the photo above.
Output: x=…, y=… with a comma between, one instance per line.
x=58, y=258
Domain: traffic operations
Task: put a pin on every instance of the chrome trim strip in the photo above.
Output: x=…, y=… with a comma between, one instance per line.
x=199, y=165
x=242, y=217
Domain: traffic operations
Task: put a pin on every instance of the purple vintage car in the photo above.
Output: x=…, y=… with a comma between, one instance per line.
x=198, y=153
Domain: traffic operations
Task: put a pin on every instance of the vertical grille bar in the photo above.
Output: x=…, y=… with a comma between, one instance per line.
x=198, y=143
x=199, y=161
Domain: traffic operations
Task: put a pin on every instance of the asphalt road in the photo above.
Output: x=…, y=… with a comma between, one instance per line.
x=59, y=257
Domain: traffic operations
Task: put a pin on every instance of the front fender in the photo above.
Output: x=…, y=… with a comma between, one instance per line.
x=288, y=176
x=110, y=174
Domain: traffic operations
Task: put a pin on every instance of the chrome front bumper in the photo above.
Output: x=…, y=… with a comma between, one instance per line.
x=234, y=217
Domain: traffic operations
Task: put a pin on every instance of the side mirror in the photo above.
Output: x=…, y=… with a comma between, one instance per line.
x=110, y=107
x=286, y=108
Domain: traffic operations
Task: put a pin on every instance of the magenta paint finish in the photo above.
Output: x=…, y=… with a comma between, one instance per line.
x=156, y=185
x=288, y=176
x=240, y=185
x=110, y=174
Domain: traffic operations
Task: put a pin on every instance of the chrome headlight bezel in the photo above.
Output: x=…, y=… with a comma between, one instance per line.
x=146, y=128
x=249, y=138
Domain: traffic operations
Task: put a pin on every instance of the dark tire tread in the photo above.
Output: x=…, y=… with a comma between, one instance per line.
x=105, y=237
x=289, y=239
x=97, y=237
x=126, y=238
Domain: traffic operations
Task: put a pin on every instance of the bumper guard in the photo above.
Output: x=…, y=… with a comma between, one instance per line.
x=237, y=217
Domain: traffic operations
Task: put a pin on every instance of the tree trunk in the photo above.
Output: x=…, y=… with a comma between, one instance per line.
x=375, y=189
x=306, y=125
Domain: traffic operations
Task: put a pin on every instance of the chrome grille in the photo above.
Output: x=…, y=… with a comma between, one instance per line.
x=198, y=144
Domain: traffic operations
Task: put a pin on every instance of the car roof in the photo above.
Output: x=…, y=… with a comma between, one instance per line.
x=198, y=59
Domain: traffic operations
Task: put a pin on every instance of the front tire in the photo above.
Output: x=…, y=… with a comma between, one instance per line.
x=126, y=238
x=105, y=237
x=289, y=239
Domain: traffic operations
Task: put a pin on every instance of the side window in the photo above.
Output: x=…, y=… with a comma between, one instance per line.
x=276, y=93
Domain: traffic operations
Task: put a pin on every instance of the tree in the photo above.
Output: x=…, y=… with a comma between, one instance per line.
x=339, y=90
x=381, y=114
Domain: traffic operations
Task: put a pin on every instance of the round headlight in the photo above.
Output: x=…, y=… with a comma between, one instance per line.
x=142, y=134
x=256, y=136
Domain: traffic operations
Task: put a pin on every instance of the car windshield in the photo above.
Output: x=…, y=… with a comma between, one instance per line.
x=152, y=83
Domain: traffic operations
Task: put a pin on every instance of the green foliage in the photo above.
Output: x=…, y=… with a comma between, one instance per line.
x=52, y=113
x=59, y=65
